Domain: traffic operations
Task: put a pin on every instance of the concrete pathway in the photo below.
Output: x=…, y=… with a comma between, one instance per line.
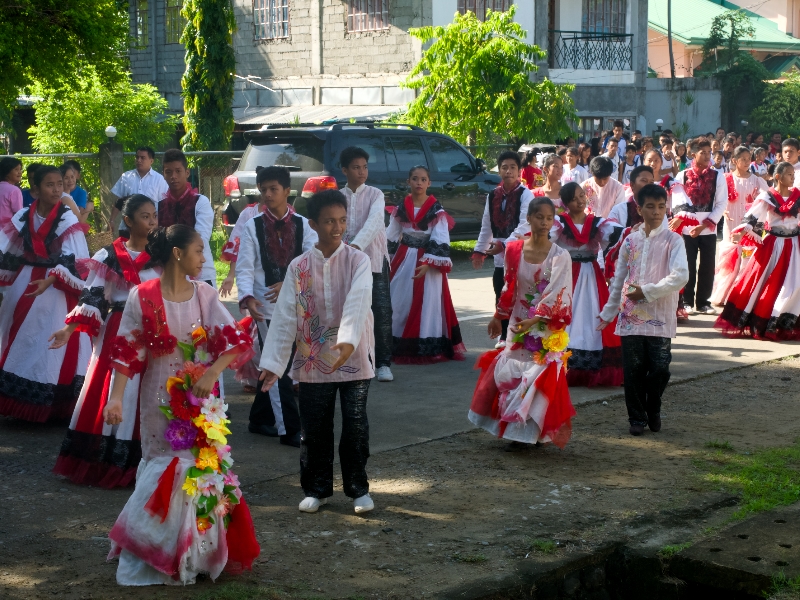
x=431, y=402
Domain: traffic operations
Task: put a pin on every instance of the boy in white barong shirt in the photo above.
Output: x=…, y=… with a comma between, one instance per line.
x=366, y=231
x=652, y=269
x=324, y=308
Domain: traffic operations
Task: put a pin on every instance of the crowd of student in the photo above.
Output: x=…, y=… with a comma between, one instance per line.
x=592, y=270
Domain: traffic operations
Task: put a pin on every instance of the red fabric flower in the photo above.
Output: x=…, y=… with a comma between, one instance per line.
x=181, y=407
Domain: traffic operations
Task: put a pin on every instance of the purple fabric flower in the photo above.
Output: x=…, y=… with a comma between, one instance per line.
x=532, y=343
x=193, y=399
x=180, y=434
x=541, y=285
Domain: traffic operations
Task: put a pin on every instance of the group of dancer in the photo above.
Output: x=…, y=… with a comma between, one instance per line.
x=132, y=341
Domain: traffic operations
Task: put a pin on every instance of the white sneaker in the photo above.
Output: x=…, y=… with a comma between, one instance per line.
x=384, y=374
x=500, y=344
x=707, y=310
x=311, y=505
x=363, y=504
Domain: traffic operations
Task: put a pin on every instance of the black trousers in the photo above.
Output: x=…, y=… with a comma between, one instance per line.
x=645, y=365
x=702, y=277
x=317, y=405
x=498, y=281
x=382, y=313
x=279, y=398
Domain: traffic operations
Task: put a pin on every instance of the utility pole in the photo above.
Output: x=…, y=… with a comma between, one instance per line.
x=669, y=40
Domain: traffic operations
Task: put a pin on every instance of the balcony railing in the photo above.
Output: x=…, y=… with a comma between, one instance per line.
x=585, y=50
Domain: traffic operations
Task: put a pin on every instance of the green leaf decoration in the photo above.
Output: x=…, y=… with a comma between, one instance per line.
x=167, y=410
x=188, y=350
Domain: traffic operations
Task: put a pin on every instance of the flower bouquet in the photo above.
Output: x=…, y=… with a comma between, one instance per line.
x=201, y=425
x=547, y=340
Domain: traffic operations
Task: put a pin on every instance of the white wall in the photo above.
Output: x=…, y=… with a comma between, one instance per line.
x=443, y=11
x=526, y=17
x=704, y=113
x=568, y=17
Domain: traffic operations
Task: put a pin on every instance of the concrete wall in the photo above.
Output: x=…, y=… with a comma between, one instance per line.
x=667, y=100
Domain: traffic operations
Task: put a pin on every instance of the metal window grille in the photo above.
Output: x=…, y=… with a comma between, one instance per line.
x=271, y=19
x=368, y=15
x=479, y=7
x=174, y=22
x=604, y=16
x=141, y=23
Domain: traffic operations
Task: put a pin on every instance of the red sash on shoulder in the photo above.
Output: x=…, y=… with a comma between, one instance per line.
x=130, y=268
x=156, y=336
x=423, y=210
x=38, y=236
x=582, y=237
x=733, y=195
x=783, y=206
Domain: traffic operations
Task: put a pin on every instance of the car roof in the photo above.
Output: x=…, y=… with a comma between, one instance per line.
x=322, y=131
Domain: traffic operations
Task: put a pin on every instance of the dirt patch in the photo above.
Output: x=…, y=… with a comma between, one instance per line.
x=451, y=513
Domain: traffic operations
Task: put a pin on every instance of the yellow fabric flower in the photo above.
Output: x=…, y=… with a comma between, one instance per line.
x=207, y=457
x=556, y=341
x=203, y=523
x=173, y=382
x=190, y=486
x=198, y=335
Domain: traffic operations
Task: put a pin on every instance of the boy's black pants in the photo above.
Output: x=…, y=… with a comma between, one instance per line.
x=276, y=407
x=382, y=313
x=645, y=365
x=317, y=405
x=706, y=246
x=498, y=281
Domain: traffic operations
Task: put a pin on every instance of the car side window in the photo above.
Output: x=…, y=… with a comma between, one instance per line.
x=405, y=152
x=373, y=144
x=448, y=158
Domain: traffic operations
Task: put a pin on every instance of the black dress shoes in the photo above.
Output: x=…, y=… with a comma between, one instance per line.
x=291, y=440
x=267, y=430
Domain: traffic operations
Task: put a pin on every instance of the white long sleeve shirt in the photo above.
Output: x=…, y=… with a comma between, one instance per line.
x=323, y=302
x=485, y=238
x=204, y=225
x=365, y=224
x=250, y=279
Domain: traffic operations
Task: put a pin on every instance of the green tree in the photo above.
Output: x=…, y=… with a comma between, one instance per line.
x=74, y=119
x=208, y=80
x=53, y=40
x=741, y=76
x=778, y=108
x=474, y=83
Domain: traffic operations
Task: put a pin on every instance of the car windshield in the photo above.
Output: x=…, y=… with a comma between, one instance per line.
x=304, y=154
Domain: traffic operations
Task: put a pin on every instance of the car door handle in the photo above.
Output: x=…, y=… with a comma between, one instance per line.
x=449, y=186
x=401, y=186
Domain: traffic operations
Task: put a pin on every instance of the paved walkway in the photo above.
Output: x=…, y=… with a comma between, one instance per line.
x=430, y=402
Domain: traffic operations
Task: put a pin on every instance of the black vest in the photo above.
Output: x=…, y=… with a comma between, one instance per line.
x=274, y=273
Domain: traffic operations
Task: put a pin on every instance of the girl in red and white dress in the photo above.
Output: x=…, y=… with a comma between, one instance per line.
x=522, y=392
x=743, y=188
x=39, y=248
x=186, y=515
x=765, y=300
x=552, y=170
x=425, y=329
x=93, y=453
x=596, y=357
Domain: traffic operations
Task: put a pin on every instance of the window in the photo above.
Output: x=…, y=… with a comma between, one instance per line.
x=604, y=16
x=303, y=154
x=402, y=153
x=140, y=23
x=449, y=158
x=367, y=15
x=479, y=7
x=374, y=147
x=271, y=19
x=174, y=22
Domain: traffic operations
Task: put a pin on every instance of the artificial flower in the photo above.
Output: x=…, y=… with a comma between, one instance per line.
x=193, y=370
x=223, y=452
x=223, y=506
x=556, y=341
x=198, y=336
x=175, y=383
x=541, y=285
x=180, y=405
x=202, y=357
x=190, y=486
x=231, y=479
x=214, y=409
x=207, y=457
x=532, y=343
x=180, y=434
x=203, y=524
x=210, y=483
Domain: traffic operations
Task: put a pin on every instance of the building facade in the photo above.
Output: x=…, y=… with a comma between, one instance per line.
x=314, y=60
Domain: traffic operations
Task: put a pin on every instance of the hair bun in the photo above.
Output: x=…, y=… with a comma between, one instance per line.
x=157, y=246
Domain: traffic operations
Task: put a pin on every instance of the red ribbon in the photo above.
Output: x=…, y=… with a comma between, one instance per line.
x=582, y=237
x=784, y=206
x=158, y=504
x=733, y=195
x=38, y=236
x=154, y=319
x=130, y=268
x=423, y=210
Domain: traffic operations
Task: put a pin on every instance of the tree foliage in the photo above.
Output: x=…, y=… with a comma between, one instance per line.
x=741, y=76
x=53, y=40
x=208, y=80
x=778, y=108
x=74, y=119
x=474, y=80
